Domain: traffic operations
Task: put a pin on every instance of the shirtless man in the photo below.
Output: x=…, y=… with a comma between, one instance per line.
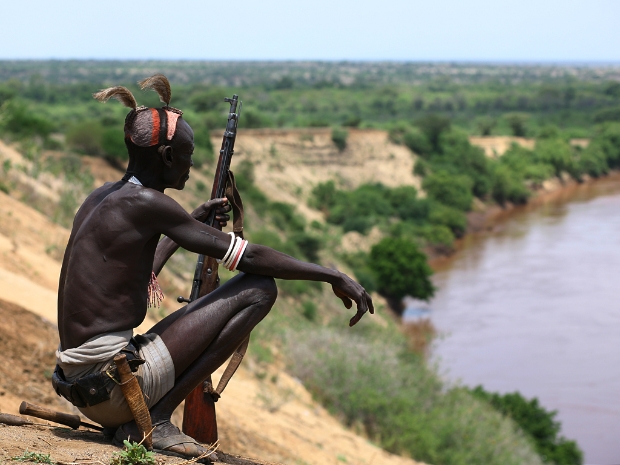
x=113, y=249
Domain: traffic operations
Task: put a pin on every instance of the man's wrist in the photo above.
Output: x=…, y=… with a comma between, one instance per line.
x=334, y=277
x=198, y=214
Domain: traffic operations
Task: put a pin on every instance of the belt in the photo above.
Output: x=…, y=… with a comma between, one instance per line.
x=95, y=388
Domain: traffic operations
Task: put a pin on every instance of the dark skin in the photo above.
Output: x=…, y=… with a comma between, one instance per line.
x=115, y=244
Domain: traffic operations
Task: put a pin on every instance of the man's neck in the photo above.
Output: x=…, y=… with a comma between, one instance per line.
x=145, y=179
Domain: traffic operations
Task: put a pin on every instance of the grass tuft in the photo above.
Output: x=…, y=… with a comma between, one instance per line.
x=35, y=457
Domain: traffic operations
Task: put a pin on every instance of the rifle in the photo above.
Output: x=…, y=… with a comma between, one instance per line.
x=199, y=420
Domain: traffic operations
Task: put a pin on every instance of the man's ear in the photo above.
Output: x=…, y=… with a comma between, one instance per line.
x=166, y=155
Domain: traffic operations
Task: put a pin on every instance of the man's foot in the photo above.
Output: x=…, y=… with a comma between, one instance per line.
x=167, y=439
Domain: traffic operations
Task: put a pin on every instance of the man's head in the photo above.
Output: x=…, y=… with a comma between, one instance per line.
x=156, y=138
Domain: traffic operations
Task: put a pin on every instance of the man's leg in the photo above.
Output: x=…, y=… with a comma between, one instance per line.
x=201, y=336
x=210, y=330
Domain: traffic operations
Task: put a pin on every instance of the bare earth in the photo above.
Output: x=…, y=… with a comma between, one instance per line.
x=272, y=417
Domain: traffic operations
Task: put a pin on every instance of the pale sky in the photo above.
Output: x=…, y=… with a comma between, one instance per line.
x=474, y=30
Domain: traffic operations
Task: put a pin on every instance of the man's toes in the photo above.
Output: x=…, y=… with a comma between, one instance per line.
x=188, y=449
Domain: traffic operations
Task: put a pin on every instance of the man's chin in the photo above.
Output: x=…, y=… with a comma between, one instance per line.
x=182, y=183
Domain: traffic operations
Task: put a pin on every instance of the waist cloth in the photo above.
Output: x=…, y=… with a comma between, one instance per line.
x=156, y=376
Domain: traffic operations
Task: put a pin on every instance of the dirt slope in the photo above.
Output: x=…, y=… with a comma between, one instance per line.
x=289, y=163
x=272, y=417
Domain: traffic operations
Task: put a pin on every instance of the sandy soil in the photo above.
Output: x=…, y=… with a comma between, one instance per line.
x=495, y=146
x=266, y=415
x=289, y=163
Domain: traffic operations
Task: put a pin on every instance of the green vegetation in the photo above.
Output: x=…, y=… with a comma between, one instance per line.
x=339, y=138
x=133, y=454
x=536, y=422
x=371, y=380
x=393, y=397
x=401, y=269
x=34, y=457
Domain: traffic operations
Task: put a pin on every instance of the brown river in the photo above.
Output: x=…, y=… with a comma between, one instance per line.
x=534, y=307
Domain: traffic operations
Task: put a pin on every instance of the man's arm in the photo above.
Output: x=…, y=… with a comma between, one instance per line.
x=259, y=259
x=167, y=247
x=169, y=218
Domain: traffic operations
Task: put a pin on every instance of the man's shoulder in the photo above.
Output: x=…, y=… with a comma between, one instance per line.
x=144, y=202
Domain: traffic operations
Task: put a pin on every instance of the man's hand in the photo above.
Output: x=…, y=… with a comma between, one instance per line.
x=349, y=291
x=222, y=208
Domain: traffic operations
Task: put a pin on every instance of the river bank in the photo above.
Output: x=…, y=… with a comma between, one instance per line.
x=531, y=306
x=486, y=219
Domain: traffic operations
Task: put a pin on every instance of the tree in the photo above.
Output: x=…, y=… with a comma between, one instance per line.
x=536, y=422
x=433, y=126
x=339, y=138
x=401, y=269
x=517, y=122
x=485, y=125
x=417, y=142
x=452, y=190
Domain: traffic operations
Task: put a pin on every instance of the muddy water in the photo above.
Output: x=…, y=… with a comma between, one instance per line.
x=535, y=307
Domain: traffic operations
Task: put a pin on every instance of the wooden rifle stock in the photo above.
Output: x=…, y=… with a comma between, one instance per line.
x=199, y=420
x=72, y=421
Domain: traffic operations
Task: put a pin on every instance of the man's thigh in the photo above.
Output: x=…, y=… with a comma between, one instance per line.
x=189, y=331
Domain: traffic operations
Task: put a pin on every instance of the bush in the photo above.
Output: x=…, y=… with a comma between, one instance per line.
x=508, y=186
x=86, y=137
x=536, y=422
x=113, y=143
x=450, y=217
x=309, y=310
x=433, y=126
x=517, y=123
x=608, y=139
x=417, y=142
x=451, y=190
x=19, y=121
x=607, y=114
x=203, y=148
x=360, y=224
x=421, y=168
x=405, y=204
x=339, y=138
x=285, y=217
x=209, y=100
x=360, y=209
x=593, y=161
x=254, y=119
x=557, y=153
x=401, y=269
x=401, y=404
x=485, y=125
x=308, y=245
x=323, y=196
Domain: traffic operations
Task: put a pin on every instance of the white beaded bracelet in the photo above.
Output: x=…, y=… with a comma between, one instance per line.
x=230, y=248
x=237, y=259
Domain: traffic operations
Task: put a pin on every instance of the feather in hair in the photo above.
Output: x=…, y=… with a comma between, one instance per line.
x=159, y=83
x=120, y=93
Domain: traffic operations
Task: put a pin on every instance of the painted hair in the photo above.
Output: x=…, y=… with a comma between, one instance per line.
x=146, y=127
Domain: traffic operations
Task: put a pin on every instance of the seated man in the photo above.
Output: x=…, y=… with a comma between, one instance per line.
x=109, y=271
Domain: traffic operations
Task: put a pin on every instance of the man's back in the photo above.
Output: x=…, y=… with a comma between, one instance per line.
x=107, y=265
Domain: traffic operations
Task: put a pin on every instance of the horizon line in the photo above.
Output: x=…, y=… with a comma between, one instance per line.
x=487, y=62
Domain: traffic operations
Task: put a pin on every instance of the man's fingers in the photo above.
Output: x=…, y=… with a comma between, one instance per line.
x=346, y=301
x=371, y=306
x=357, y=317
x=225, y=209
x=214, y=202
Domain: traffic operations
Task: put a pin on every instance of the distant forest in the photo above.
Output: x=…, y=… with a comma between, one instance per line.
x=480, y=98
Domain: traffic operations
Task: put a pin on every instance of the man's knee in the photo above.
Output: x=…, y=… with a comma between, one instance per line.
x=268, y=290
